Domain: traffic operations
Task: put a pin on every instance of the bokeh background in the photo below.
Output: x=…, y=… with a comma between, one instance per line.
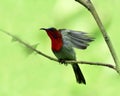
x=24, y=74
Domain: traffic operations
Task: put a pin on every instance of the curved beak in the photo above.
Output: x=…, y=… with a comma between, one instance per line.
x=43, y=29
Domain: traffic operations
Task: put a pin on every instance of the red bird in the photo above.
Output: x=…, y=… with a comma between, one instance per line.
x=63, y=41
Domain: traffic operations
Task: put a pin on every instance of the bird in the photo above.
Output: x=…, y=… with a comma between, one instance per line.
x=63, y=42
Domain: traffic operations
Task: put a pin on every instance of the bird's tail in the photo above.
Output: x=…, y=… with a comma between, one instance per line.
x=78, y=74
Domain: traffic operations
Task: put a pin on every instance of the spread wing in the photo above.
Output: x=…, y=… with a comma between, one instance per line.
x=76, y=39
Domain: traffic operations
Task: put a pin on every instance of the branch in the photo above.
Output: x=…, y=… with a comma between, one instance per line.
x=51, y=58
x=27, y=45
x=93, y=63
x=88, y=4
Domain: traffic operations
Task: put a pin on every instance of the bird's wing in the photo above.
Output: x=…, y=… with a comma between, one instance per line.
x=77, y=39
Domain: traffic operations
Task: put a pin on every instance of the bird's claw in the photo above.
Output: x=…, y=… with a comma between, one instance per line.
x=62, y=61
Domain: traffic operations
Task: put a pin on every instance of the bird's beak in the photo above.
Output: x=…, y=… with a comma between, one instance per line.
x=43, y=29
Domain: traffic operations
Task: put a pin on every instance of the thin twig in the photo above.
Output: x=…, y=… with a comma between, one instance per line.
x=88, y=4
x=51, y=58
x=27, y=45
x=92, y=63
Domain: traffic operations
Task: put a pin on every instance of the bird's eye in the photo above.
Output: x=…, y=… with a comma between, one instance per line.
x=54, y=35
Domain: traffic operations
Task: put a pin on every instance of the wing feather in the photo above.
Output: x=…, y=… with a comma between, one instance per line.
x=76, y=39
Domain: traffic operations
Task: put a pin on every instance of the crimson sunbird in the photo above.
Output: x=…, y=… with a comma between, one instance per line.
x=62, y=43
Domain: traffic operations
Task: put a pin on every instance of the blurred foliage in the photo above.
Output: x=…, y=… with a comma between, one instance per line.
x=34, y=75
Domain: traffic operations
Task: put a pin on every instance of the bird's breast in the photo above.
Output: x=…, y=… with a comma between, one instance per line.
x=57, y=44
x=66, y=53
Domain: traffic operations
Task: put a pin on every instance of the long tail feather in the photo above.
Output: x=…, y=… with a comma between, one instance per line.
x=78, y=74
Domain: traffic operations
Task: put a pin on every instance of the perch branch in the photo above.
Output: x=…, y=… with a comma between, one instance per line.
x=88, y=4
x=51, y=58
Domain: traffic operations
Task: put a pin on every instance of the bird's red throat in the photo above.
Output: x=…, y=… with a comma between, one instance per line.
x=56, y=40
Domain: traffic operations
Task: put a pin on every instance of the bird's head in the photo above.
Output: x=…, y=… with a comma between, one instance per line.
x=51, y=29
x=55, y=36
x=52, y=32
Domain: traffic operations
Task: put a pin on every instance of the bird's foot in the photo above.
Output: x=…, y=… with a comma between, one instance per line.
x=62, y=61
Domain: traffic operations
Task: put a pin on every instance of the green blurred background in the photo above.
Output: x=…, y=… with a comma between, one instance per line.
x=24, y=74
